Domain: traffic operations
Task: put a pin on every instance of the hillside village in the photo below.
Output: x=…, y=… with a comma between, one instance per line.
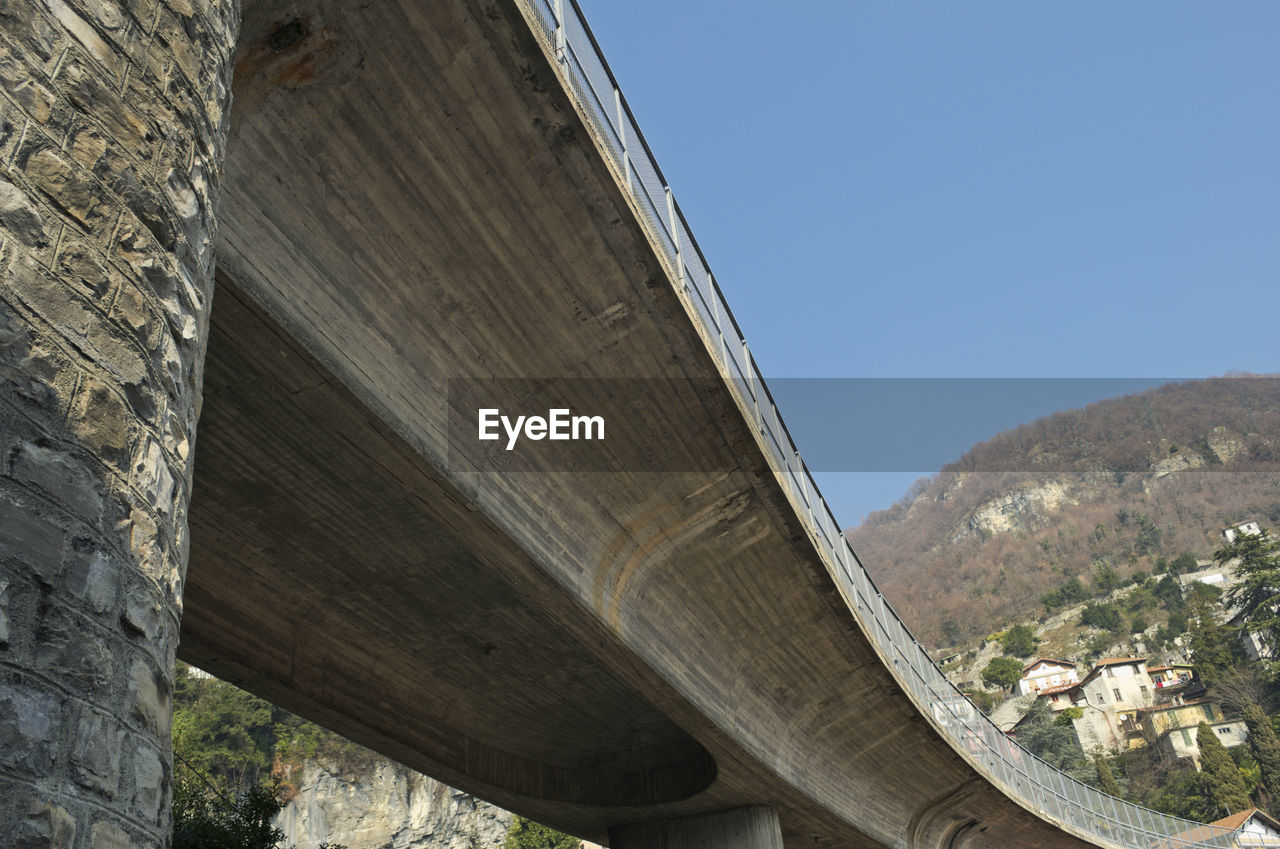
x=1115, y=687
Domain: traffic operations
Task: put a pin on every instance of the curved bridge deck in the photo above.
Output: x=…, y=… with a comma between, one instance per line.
x=418, y=193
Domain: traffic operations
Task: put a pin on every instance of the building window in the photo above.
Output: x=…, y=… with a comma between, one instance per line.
x=1186, y=737
x=1116, y=693
x=1224, y=730
x=1145, y=691
x=1208, y=711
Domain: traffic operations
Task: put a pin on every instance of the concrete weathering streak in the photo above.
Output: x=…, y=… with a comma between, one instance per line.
x=411, y=196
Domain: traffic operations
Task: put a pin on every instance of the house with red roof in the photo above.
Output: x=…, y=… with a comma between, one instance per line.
x=1253, y=829
x=1045, y=673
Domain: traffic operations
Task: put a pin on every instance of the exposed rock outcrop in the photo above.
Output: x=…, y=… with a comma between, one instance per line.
x=384, y=805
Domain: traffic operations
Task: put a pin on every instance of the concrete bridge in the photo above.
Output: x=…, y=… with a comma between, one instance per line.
x=417, y=196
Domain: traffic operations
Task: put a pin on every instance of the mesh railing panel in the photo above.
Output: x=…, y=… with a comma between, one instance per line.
x=1021, y=775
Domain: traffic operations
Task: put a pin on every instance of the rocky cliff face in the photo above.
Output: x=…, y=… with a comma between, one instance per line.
x=383, y=805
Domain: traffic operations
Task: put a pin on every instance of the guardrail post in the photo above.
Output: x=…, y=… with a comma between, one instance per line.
x=558, y=10
x=675, y=238
x=715, y=315
x=804, y=486
x=622, y=136
x=749, y=375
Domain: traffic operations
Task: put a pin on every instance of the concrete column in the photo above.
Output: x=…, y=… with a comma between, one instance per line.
x=113, y=117
x=741, y=828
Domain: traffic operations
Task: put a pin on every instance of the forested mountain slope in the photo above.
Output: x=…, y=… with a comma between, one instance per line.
x=1122, y=482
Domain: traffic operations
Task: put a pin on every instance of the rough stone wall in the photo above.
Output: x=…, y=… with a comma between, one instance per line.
x=112, y=127
x=383, y=805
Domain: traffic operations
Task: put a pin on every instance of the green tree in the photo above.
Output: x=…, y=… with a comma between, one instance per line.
x=1055, y=744
x=1105, y=578
x=1104, y=616
x=1169, y=591
x=1265, y=747
x=1183, y=563
x=1183, y=795
x=1003, y=671
x=1148, y=539
x=1106, y=778
x=1067, y=716
x=222, y=733
x=1220, y=778
x=527, y=834
x=203, y=819
x=1071, y=592
x=225, y=743
x=1215, y=648
x=1257, y=591
x=1019, y=641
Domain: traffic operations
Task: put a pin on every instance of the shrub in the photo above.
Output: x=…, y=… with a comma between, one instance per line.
x=1103, y=616
x=1003, y=672
x=1019, y=641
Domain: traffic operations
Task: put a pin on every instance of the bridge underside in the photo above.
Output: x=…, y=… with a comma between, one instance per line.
x=411, y=198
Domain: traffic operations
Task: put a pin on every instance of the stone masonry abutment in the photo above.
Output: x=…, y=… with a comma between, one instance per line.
x=113, y=121
x=413, y=196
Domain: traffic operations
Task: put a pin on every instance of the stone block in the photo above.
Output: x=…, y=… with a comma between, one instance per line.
x=142, y=201
x=100, y=419
x=149, y=700
x=88, y=146
x=92, y=576
x=19, y=215
x=35, y=30
x=148, y=783
x=33, y=370
x=148, y=548
x=95, y=753
x=68, y=186
x=28, y=727
x=31, y=540
x=106, y=835
x=65, y=647
x=46, y=826
x=78, y=264
x=135, y=311
x=66, y=479
x=85, y=326
x=32, y=96
x=152, y=477
x=141, y=613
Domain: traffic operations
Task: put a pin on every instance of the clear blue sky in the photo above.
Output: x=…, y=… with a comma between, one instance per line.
x=971, y=189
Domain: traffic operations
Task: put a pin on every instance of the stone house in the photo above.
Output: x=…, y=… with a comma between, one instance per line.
x=1110, y=696
x=1174, y=726
x=1118, y=683
x=1046, y=673
x=1239, y=529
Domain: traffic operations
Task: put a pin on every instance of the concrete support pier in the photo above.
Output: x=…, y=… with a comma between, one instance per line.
x=741, y=828
x=113, y=121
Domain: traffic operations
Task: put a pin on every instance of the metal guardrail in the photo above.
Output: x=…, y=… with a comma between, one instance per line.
x=1041, y=788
